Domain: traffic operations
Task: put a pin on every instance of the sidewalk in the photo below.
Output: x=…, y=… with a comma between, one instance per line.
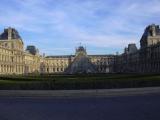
x=80, y=93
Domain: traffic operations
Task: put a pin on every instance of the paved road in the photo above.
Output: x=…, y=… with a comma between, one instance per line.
x=139, y=107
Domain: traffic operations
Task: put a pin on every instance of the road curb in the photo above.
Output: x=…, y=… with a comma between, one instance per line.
x=80, y=93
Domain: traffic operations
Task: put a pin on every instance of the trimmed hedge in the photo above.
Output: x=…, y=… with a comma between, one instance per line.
x=91, y=81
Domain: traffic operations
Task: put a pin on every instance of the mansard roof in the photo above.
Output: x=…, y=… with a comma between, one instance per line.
x=60, y=56
x=32, y=49
x=148, y=30
x=80, y=48
x=107, y=55
x=14, y=34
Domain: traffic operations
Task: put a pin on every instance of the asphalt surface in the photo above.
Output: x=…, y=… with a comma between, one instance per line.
x=136, y=107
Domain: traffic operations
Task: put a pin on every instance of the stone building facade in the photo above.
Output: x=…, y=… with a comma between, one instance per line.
x=144, y=60
x=15, y=60
x=61, y=64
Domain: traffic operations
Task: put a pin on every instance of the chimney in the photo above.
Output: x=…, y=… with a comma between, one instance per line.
x=9, y=33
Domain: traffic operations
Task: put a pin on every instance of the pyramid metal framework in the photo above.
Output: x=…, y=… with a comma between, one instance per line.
x=81, y=63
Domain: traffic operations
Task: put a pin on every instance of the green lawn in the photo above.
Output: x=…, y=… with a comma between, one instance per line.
x=92, y=81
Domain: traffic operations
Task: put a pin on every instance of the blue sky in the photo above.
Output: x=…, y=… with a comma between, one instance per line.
x=56, y=27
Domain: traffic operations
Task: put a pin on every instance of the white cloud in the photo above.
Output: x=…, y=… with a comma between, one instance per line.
x=97, y=23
